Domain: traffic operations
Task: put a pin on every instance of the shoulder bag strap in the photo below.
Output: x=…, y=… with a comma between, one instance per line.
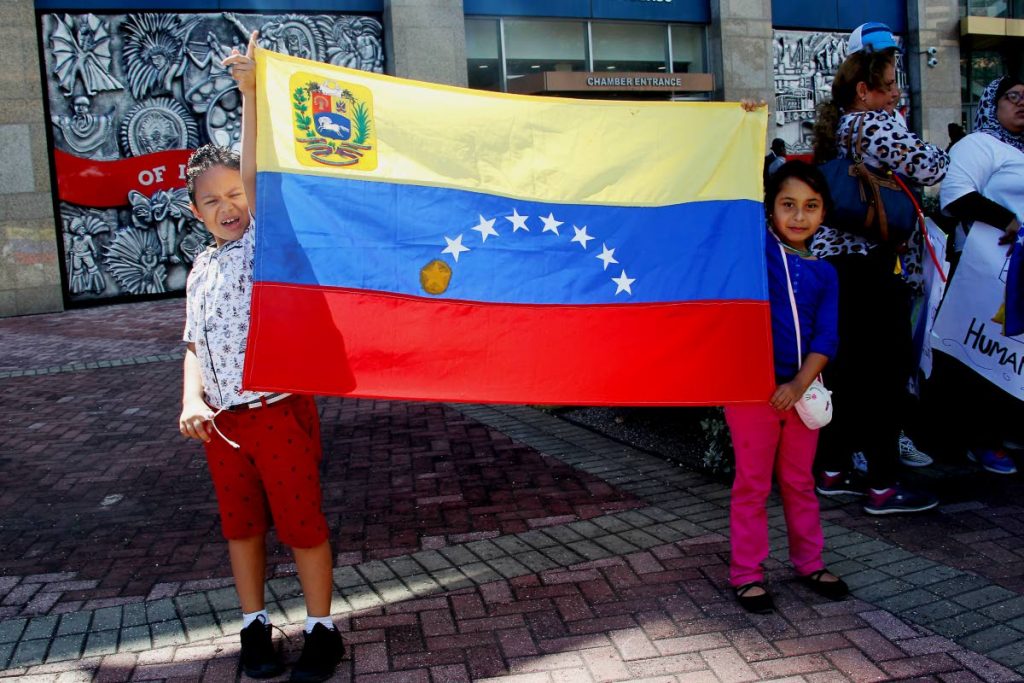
x=853, y=143
x=924, y=226
x=792, y=303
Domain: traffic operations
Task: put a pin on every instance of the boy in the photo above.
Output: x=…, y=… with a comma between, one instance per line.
x=263, y=449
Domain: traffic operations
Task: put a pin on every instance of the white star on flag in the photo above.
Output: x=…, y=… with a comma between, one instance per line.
x=550, y=224
x=485, y=228
x=581, y=236
x=607, y=255
x=454, y=247
x=623, y=283
x=518, y=222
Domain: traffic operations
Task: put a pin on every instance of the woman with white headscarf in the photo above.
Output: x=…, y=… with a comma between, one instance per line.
x=985, y=183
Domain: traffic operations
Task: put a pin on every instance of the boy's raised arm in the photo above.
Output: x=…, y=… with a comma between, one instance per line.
x=243, y=69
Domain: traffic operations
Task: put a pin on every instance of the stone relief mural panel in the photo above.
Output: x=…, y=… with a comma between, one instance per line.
x=130, y=96
x=804, y=64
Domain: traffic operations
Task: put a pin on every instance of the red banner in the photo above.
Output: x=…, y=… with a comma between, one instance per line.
x=105, y=184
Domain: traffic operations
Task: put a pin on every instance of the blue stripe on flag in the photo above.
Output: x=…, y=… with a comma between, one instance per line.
x=340, y=232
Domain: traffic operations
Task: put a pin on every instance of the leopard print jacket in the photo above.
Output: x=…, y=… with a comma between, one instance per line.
x=885, y=142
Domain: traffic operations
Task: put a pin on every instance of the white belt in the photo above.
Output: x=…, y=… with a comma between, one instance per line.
x=260, y=402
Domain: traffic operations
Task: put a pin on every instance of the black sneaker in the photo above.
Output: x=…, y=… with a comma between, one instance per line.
x=321, y=652
x=897, y=500
x=841, y=484
x=259, y=659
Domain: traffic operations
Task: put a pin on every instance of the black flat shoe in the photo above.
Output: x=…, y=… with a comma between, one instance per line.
x=833, y=590
x=755, y=604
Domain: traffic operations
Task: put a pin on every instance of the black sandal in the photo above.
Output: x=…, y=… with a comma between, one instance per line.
x=755, y=604
x=833, y=590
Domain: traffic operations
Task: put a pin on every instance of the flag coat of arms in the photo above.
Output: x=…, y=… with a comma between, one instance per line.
x=420, y=241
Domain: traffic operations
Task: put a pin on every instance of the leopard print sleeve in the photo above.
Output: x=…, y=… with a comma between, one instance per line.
x=887, y=142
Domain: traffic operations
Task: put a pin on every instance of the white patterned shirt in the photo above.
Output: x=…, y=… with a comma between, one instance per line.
x=219, y=290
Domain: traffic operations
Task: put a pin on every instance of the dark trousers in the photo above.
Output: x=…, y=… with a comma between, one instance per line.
x=966, y=411
x=868, y=376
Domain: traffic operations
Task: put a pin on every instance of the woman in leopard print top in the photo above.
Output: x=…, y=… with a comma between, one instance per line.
x=885, y=142
x=875, y=359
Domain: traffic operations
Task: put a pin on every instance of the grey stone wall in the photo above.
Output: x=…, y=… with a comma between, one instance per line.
x=426, y=40
x=29, y=268
x=935, y=90
x=740, y=50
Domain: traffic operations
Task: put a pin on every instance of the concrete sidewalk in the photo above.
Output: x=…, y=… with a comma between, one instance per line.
x=473, y=543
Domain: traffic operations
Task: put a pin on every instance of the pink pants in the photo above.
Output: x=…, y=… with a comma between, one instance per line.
x=766, y=439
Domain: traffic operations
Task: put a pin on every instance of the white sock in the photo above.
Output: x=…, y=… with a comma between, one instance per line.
x=253, y=616
x=879, y=492
x=313, y=621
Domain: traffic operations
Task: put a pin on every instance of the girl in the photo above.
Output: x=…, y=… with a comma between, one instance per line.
x=770, y=436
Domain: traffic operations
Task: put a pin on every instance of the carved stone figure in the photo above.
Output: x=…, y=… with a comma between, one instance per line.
x=133, y=258
x=81, y=252
x=132, y=84
x=81, y=51
x=293, y=34
x=154, y=51
x=84, y=132
x=355, y=42
x=167, y=212
x=196, y=239
x=156, y=125
x=210, y=90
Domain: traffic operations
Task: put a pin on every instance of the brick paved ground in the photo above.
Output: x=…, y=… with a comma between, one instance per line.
x=474, y=543
x=111, y=505
x=979, y=527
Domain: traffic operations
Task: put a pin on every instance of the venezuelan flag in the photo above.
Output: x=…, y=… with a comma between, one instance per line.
x=419, y=241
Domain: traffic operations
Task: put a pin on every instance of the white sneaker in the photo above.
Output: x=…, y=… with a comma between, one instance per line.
x=910, y=456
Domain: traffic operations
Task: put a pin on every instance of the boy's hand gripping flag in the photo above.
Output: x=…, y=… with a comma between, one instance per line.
x=420, y=241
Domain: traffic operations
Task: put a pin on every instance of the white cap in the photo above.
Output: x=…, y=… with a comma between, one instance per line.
x=871, y=37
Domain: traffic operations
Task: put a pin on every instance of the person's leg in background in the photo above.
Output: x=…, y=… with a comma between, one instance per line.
x=851, y=396
x=887, y=371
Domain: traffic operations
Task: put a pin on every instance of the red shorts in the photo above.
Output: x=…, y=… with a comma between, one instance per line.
x=273, y=475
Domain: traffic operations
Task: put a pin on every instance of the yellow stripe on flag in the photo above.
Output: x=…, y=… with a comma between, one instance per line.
x=327, y=120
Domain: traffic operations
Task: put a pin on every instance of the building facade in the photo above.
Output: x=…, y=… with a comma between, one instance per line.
x=104, y=98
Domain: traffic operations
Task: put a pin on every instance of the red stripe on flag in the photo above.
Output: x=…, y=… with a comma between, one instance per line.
x=377, y=345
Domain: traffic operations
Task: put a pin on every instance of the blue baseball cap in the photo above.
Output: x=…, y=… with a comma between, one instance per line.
x=871, y=37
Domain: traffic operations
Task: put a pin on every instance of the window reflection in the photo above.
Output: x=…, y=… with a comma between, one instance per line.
x=985, y=8
x=687, y=48
x=629, y=47
x=502, y=49
x=534, y=46
x=482, y=53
